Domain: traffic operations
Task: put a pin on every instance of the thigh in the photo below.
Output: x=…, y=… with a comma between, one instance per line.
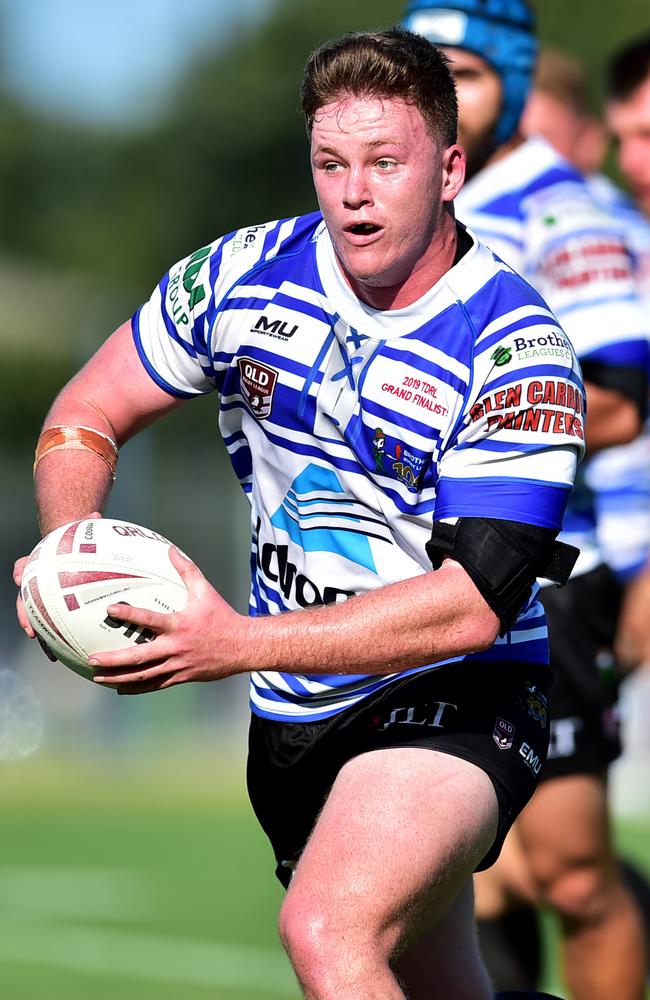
x=492, y=717
x=400, y=833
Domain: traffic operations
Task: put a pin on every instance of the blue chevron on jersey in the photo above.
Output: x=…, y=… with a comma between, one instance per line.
x=350, y=429
x=319, y=517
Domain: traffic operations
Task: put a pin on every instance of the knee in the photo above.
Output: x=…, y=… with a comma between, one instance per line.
x=302, y=931
x=326, y=949
x=580, y=893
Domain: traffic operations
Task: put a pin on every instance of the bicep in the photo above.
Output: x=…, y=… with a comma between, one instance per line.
x=113, y=389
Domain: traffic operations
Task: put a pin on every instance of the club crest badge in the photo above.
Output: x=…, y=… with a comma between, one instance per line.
x=503, y=734
x=257, y=383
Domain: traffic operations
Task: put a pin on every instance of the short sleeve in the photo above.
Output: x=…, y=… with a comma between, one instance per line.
x=174, y=331
x=515, y=451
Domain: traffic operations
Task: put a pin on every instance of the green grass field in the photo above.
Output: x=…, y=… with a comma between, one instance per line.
x=145, y=884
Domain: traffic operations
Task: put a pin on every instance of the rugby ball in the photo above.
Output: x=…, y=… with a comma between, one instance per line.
x=79, y=569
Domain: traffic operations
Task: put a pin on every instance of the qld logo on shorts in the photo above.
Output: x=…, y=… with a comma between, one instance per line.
x=503, y=734
x=258, y=383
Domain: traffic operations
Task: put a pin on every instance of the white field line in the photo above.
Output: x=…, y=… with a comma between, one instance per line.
x=135, y=955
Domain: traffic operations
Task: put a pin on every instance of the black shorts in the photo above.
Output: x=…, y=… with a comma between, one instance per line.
x=493, y=715
x=582, y=619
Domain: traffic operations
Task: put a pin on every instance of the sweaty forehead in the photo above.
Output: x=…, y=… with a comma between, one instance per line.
x=393, y=117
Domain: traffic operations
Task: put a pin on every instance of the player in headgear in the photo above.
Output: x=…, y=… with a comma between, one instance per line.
x=500, y=31
x=535, y=211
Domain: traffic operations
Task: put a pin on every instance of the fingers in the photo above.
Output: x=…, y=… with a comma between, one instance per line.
x=152, y=620
x=188, y=570
x=23, y=620
x=140, y=657
x=134, y=679
x=148, y=687
x=19, y=568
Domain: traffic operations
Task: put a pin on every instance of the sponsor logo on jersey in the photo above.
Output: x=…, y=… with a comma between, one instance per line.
x=550, y=346
x=257, y=383
x=192, y=268
x=503, y=734
x=278, y=328
x=404, y=464
x=502, y=356
x=278, y=569
x=407, y=467
x=378, y=449
x=531, y=759
x=587, y=260
x=433, y=715
x=549, y=407
x=242, y=240
x=319, y=516
x=537, y=708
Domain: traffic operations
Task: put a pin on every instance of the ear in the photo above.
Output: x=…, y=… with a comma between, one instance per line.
x=454, y=164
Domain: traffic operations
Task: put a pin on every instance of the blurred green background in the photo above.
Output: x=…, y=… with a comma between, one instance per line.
x=130, y=862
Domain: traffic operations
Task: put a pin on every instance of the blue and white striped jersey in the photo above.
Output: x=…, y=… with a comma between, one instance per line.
x=536, y=211
x=620, y=477
x=351, y=428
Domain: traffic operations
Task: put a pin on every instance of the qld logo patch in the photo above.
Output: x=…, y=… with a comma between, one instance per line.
x=257, y=383
x=503, y=734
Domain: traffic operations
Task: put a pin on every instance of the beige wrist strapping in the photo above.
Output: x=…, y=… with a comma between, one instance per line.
x=77, y=438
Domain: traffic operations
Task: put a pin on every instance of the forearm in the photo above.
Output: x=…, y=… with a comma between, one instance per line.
x=113, y=395
x=408, y=624
x=71, y=483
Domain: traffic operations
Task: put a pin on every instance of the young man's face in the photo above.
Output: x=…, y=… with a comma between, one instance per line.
x=383, y=184
x=629, y=123
x=480, y=94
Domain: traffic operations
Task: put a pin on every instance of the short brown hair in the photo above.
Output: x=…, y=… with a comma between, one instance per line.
x=628, y=69
x=392, y=63
x=563, y=77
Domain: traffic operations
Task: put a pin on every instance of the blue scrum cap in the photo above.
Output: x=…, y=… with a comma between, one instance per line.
x=501, y=31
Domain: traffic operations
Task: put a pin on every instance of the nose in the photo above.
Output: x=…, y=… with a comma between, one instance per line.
x=357, y=192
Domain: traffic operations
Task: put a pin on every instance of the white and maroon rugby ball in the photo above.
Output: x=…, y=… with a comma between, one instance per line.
x=79, y=569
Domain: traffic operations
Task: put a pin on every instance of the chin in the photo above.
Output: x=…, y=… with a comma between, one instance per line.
x=366, y=271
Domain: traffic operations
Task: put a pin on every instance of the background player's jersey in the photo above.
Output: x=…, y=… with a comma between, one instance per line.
x=620, y=477
x=351, y=428
x=535, y=210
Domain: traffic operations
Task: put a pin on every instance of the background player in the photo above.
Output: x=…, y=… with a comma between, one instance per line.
x=536, y=212
x=558, y=108
x=622, y=476
x=395, y=316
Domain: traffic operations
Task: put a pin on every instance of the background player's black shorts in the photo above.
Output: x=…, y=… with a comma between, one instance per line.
x=493, y=715
x=582, y=619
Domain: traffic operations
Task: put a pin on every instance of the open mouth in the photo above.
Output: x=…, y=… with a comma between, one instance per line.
x=363, y=229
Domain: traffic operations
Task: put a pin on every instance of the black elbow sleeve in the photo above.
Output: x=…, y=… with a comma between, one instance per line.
x=502, y=558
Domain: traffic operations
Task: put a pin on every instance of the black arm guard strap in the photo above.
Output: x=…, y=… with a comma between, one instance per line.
x=503, y=559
